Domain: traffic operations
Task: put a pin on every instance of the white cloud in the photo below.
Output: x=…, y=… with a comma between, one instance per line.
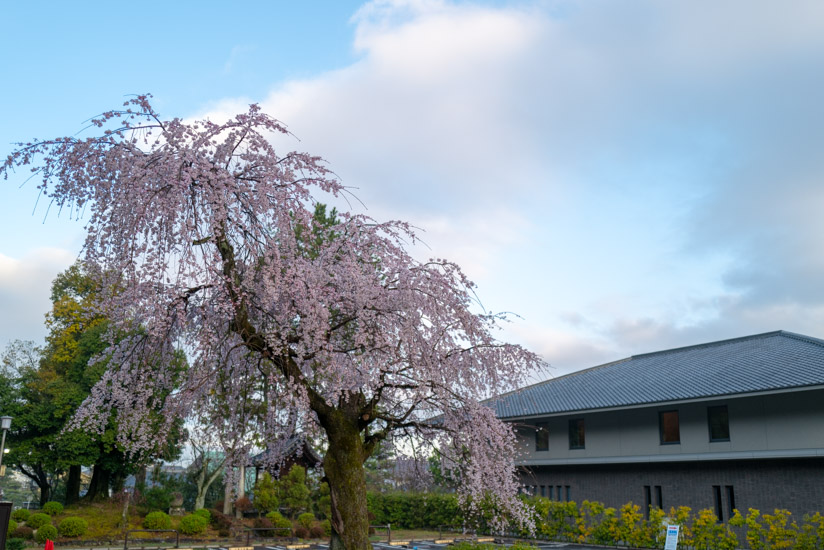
x=652, y=166
x=24, y=295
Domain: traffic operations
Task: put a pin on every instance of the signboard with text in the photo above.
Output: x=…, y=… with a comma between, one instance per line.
x=672, y=537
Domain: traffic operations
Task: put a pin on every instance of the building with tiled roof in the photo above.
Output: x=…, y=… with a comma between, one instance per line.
x=731, y=424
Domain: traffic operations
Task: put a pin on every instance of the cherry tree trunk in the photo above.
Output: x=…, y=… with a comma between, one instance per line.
x=343, y=466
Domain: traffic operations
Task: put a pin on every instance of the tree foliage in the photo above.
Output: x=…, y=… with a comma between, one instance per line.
x=266, y=495
x=47, y=386
x=206, y=235
x=293, y=492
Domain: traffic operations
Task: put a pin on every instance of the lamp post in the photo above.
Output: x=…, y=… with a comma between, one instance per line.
x=5, y=424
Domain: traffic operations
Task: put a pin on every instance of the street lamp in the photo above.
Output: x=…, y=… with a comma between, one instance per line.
x=5, y=424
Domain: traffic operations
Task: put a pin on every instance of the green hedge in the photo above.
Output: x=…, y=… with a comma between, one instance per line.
x=414, y=511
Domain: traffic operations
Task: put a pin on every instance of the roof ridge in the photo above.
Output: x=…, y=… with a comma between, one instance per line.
x=721, y=342
x=802, y=337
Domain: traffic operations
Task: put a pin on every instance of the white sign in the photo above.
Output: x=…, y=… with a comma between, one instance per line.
x=672, y=537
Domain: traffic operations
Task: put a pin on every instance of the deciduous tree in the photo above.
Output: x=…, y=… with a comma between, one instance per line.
x=200, y=229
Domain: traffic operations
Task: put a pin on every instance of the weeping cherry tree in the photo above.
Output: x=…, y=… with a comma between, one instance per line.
x=205, y=235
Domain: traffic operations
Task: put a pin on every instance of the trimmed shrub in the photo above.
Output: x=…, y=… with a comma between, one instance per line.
x=306, y=519
x=52, y=508
x=12, y=527
x=193, y=524
x=72, y=527
x=316, y=532
x=301, y=532
x=21, y=514
x=46, y=532
x=15, y=544
x=23, y=532
x=280, y=522
x=157, y=520
x=38, y=520
x=203, y=512
x=327, y=527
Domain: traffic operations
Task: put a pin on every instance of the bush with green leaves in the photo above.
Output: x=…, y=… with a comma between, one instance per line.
x=157, y=520
x=280, y=523
x=46, y=532
x=15, y=544
x=414, y=510
x=21, y=514
x=72, y=527
x=204, y=513
x=12, y=527
x=306, y=519
x=193, y=524
x=52, y=508
x=38, y=520
x=327, y=527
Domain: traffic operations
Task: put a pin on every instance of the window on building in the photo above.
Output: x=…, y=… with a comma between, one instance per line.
x=647, y=500
x=541, y=436
x=568, y=498
x=668, y=427
x=577, y=433
x=543, y=490
x=730, y=501
x=560, y=495
x=659, y=497
x=719, y=423
x=716, y=497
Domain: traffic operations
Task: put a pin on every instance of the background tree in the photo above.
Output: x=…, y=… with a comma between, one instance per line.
x=201, y=229
x=293, y=491
x=206, y=467
x=266, y=494
x=51, y=384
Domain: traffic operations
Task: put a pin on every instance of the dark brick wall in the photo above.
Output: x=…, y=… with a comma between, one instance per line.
x=794, y=484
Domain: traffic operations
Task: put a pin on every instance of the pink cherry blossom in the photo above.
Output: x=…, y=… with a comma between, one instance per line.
x=194, y=230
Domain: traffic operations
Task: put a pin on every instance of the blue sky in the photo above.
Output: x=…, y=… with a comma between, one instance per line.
x=625, y=176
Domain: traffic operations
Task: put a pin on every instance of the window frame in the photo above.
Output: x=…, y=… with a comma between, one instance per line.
x=661, y=415
x=709, y=422
x=578, y=427
x=541, y=436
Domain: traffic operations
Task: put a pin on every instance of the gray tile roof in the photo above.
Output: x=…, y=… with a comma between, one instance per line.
x=763, y=362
